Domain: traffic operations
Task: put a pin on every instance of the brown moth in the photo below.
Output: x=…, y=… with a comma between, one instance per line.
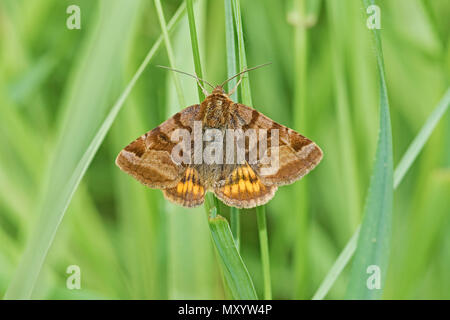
x=241, y=184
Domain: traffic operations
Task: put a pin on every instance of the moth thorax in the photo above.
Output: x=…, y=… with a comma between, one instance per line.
x=216, y=112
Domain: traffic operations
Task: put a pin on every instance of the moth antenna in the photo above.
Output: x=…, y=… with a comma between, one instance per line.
x=236, y=85
x=242, y=72
x=205, y=92
x=191, y=75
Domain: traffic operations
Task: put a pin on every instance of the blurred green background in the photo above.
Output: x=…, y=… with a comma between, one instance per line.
x=57, y=85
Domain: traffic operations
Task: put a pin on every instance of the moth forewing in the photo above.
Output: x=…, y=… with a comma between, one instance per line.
x=271, y=156
x=181, y=152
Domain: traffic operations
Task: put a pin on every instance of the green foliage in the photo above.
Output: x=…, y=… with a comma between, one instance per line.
x=374, y=240
x=63, y=201
x=238, y=279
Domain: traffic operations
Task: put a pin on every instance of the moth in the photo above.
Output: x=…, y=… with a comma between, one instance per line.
x=242, y=184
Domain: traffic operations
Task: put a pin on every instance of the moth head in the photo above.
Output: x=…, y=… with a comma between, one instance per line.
x=218, y=90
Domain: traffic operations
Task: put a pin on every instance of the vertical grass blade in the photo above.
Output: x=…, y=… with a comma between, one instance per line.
x=188, y=248
x=374, y=239
x=246, y=98
x=346, y=138
x=420, y=140
x=169, y=50
x=264, y=250
x=235, y=272
x=235, y=223
x=237, y=277
x=56, y=203
x=402, y=168
x=338, y=266
x=197, y=62
x=194, y=44
x=300, y=114
x=230, y=41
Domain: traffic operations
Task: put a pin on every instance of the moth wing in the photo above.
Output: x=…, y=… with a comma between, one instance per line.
x=148, y=158
x=242, y=188
x=297, y=155
x=189, y=191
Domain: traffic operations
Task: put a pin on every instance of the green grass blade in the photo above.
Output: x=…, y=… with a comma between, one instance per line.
x=246, y=98
x=56, y=204
x=420, y=140
x=346, y=137
x=235, y=222
x=301, y=116
x=338, y=266
x=176, y=80
x=374, y=239
x=236, y=274
x=264, y=249
x=194, y=44
x=402, y=168
x=188, y=248
x=198, y=67
x=230, y=41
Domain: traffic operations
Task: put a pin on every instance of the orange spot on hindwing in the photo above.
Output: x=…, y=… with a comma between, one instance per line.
x=190, y=186
x=243, y=184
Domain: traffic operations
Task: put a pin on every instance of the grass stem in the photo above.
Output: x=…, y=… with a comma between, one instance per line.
x=264, y=248
x=230, y=42
x=247, y=99
x=300, y=210
x=170, y=55
x=195, y=48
